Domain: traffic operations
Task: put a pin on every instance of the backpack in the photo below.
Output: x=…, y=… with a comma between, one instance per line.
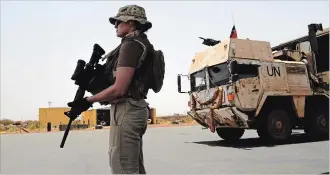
x=158, y=71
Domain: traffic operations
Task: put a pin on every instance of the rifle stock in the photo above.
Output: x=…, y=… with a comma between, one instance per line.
x=82, y=76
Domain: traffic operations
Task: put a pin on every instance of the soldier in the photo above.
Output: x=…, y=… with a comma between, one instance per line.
x=129, y=110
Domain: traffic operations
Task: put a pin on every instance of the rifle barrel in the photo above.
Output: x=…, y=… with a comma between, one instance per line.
x=79, y=95
x=66, y=133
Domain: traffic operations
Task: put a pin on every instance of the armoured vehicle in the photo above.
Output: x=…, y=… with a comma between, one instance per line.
x=240, y=84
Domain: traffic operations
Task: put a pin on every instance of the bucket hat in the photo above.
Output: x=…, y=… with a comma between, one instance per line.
x=131, y=12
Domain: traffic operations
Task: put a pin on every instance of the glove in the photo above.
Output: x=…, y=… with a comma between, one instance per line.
x=79, y=106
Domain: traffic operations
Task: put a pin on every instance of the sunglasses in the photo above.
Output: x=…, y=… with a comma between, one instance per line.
x=117, y=23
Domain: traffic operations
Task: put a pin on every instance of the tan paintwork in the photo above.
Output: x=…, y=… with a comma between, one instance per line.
x=292, y=82
x=231, y=48
x=287, y=55
x=212, y=55
x=295, y=57
x=324, y=76
x=298, y=81
x=270, y=79
x=299, y=102
x=250, y=49
x=274, y=93
x=293, y=77
x=223, y=116
x=276, y=78
x=280, y=73
x=248, y=93
x=288, y=62
x=205, y=101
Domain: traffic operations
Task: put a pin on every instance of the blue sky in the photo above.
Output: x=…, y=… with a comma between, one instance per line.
x=41, y=42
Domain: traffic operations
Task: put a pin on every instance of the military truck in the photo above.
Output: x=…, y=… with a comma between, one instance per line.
x=240, y=84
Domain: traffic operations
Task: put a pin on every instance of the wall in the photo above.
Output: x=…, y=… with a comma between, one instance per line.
x=91, y=116
x=53, y=115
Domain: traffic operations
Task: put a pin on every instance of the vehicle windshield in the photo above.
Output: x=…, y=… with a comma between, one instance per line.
x=219, y=75
x=198, y=82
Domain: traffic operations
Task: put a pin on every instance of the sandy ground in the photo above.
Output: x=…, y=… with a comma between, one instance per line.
x=167, y=150
x=104, y=128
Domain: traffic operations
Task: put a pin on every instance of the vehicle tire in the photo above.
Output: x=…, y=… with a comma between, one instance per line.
x=98, y=127
x=275, y=126
x=230, y=134
x=317, y=125
x=103, y=123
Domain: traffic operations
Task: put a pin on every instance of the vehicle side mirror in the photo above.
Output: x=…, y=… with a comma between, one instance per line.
x=179, y=83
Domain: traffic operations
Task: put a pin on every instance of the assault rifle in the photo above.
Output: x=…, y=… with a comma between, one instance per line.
x=209, y=41
x=83, y=74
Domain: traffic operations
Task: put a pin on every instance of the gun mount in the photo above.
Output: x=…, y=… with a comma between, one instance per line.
x=209, y=41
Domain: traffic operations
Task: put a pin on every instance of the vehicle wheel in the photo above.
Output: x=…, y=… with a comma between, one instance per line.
x=275, y=127
x=103, y=123
x=230, y=134
x=318, y=124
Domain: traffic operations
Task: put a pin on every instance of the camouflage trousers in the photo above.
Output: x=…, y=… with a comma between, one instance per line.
x=128, y=123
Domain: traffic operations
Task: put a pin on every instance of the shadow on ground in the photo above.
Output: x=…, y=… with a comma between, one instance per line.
x=249, y=143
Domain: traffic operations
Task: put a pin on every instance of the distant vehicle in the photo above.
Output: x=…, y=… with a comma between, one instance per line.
x=240, y=84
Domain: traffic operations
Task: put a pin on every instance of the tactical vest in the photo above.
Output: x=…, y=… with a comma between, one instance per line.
x=137, y=89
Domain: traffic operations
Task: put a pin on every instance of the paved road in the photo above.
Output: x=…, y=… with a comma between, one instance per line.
x=167, y=150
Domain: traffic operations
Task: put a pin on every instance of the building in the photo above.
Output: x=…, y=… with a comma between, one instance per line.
x=54, y=116
x=95, y=117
